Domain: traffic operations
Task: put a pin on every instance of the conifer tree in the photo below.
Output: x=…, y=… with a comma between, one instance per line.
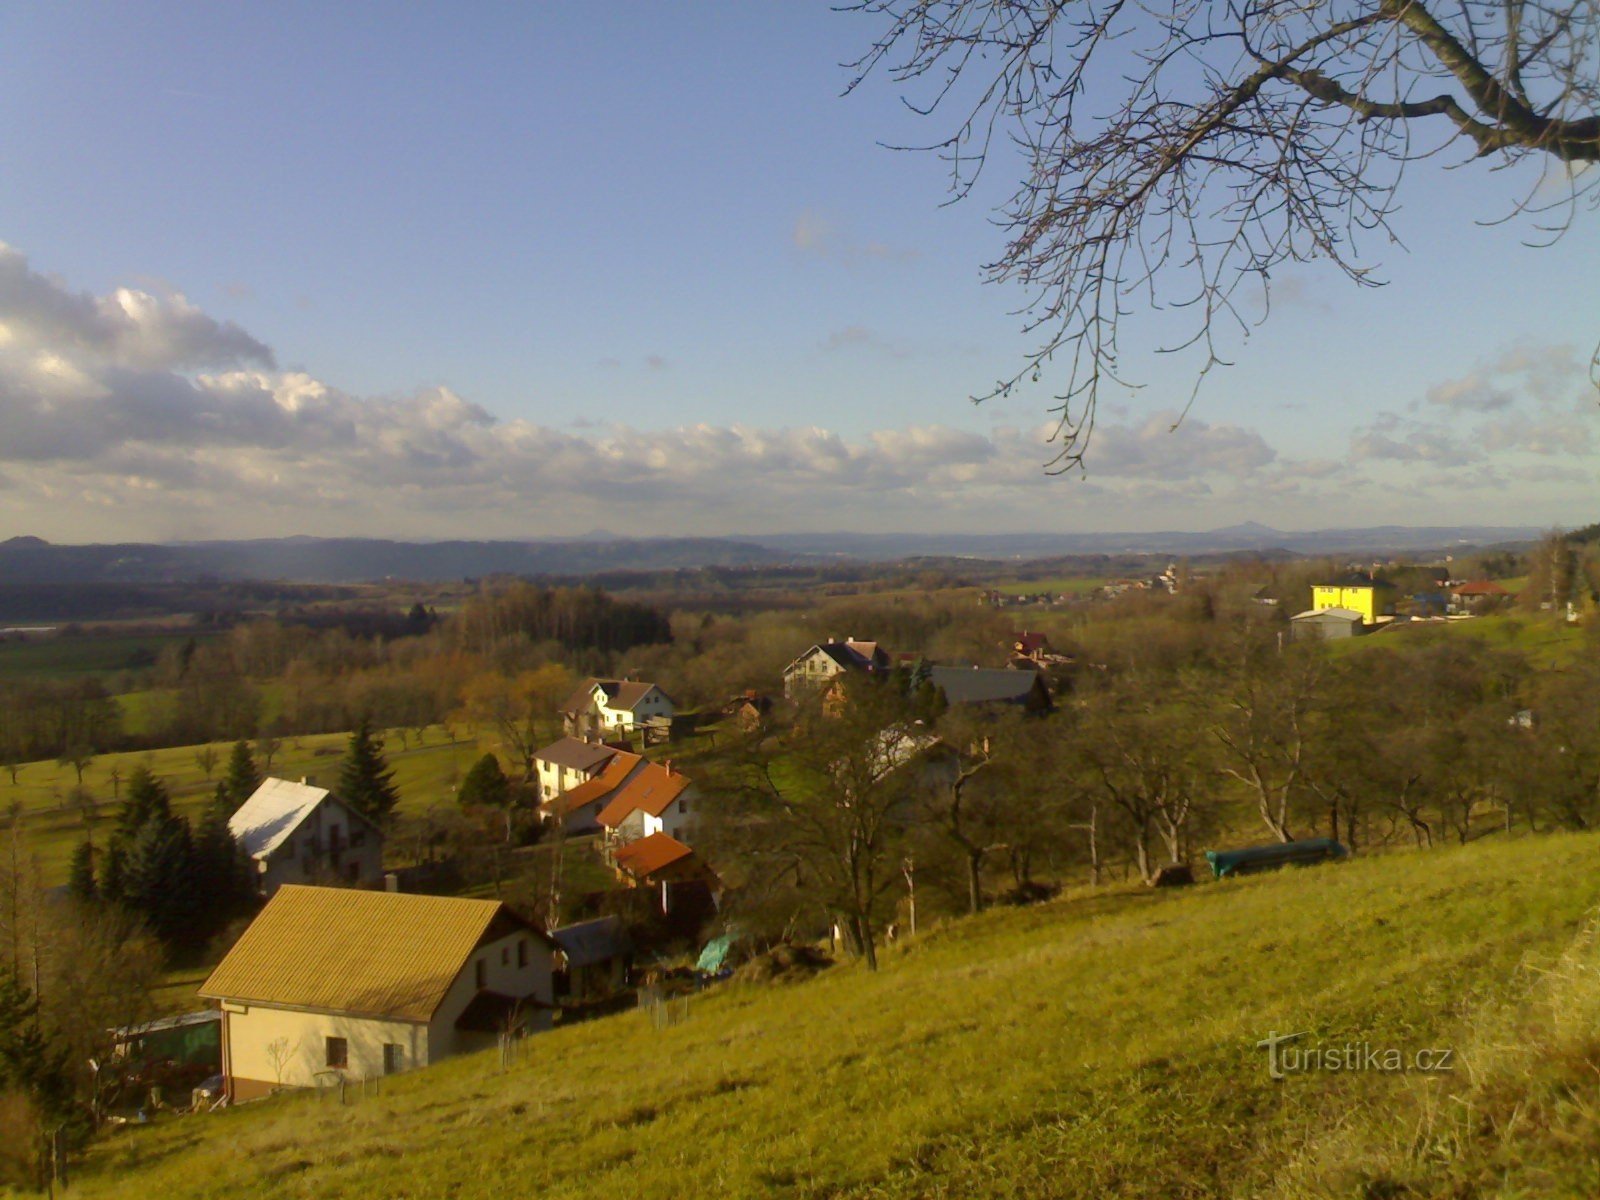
x=241, y=778
x=366, y=782
x=80, y=877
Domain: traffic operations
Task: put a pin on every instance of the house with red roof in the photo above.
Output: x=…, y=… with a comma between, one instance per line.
x=578, y=808
x=655, y=799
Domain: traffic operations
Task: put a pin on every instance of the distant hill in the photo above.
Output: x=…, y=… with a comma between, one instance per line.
x=355, y=560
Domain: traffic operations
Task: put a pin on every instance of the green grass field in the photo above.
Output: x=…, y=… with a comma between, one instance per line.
x=1073, y=585
x=1102, y=1045
x=426, y=774
x=75, y=657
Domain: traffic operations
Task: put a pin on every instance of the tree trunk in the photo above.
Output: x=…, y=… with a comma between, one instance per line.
x=974, y=881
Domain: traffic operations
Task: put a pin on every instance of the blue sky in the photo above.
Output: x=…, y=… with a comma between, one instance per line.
x=516, y=270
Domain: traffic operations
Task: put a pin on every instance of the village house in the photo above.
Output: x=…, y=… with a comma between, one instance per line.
x=669, y=867
x=655, y=799
x=578, y=809
x=614, y=706
x=331, y=984
x=821, y=665
x=987, y=686
x=301, y=833
x=1476, y=595
x=1358, y=593
x=566, y=763
x=594, y=959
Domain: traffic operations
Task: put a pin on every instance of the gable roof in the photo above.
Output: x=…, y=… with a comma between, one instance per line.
x=1342, y=614
x=373, y=954
x=587, y=942
x=620, y=693
x=601, y=786
x=852, y=656
x=575, y=754
x=1031, y=643
x=645, y=857
x=1480, y=587
x=1355, y=579
x=273, y=812
x=650, y=791
x=983, y=685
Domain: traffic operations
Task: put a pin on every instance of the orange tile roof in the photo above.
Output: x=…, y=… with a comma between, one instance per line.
x=645, y=857
x=650, y=791
x=376, y=954
x=598, y=788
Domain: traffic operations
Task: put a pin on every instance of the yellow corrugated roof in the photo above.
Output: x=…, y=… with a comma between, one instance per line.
x=380, y=954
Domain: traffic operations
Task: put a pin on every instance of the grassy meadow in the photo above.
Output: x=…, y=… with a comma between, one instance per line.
x=1101, y=1045
x=54, y=822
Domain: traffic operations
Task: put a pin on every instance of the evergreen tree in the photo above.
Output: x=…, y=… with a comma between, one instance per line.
x=222, y=870
x=80, y=878
x=160, y=880
x=366, y=783
x=242, y=778
x=485, y=786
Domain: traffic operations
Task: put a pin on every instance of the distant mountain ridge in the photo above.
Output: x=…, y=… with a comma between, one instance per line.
x=26, y=559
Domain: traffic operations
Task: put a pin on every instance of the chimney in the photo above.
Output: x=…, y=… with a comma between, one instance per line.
x=668, y=765
x=391, y=882
x=309, y=780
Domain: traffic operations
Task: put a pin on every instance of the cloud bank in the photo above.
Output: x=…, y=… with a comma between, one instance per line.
x=135, y=414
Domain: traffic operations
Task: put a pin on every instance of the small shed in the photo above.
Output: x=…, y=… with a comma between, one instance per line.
x=1326, y=623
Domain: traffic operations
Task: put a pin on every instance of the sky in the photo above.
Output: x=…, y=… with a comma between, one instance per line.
x=528, y=270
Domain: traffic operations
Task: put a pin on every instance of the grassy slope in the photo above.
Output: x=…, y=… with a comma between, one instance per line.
x=425, y=775
x=1096, y=1046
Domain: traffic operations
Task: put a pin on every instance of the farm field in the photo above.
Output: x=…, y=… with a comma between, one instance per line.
x=1101, y=1045
x=1074, y=585
x=78, y=657
x=426, y=774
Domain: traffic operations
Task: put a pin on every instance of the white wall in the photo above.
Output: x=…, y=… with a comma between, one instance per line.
x=293, y=863
x=535, y=981
x=252, y=1030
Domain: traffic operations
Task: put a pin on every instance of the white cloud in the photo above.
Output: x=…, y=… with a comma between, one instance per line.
x=818, y=236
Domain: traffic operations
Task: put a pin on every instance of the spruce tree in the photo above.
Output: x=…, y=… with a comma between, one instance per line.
x=160, y=880
x=241, y=778
x=222, y=871
x=80, y=878
x=366, y=783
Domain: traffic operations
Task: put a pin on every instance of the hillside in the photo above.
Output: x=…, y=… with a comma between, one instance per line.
x=1100, y=1045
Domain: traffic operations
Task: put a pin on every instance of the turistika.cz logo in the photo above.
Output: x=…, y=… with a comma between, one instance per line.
x=1286, y=1056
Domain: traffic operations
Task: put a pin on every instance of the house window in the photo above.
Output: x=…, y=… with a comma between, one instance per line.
x=394, y=1058
x=480, y=973
x=522, y=952
x=505, y=956
x=358, y=837
x=338, y=1052
x=683, y=806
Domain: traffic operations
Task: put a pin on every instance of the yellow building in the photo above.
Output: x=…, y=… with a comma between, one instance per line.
x=1372, y=598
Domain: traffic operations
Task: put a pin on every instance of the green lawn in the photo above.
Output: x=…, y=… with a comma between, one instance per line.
x=1103, y=1045
x=1073, y=585
x=77, y=656
x=426, y=774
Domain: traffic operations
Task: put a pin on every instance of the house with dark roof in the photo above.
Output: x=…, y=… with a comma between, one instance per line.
x=566, y=763
x=594, y=959
x=331, y=984
x=301, y=833
x=614, y=706
x=579, y=808
x=819, y=667
x=1357, y=592
x=655, y=799
x=985, y=686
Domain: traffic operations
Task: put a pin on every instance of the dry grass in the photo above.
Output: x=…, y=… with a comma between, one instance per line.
x=1096, y=1046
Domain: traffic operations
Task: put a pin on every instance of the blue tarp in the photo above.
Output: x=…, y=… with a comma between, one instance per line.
x=1279, y=854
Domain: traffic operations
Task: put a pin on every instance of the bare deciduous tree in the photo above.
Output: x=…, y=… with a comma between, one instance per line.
x=1177, y=153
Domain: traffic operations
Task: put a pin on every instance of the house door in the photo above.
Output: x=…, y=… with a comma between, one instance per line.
x=394, y=1060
